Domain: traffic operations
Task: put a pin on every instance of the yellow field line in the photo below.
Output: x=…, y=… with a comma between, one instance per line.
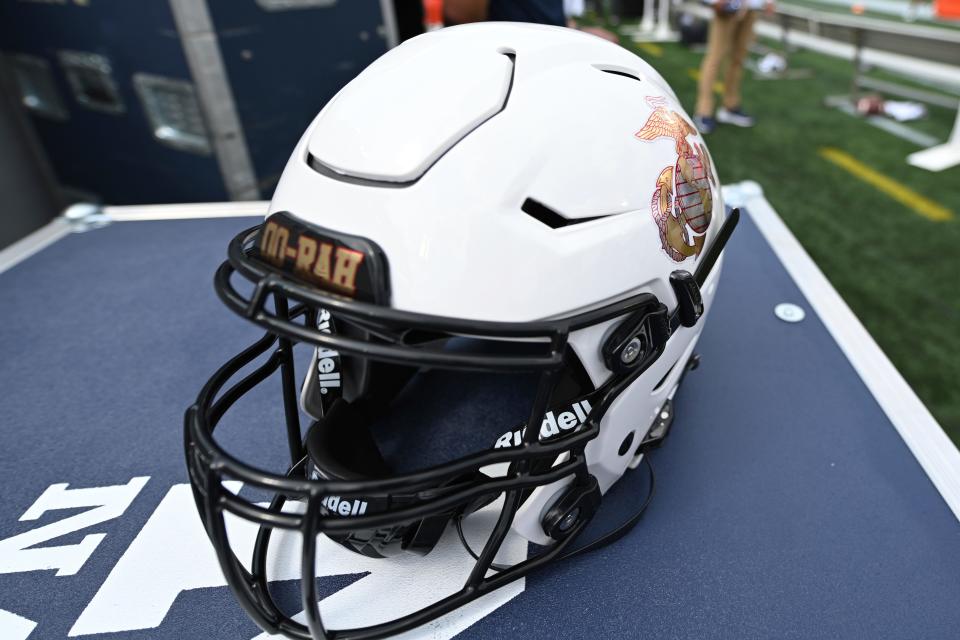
x=695, y=74
x=899, y=192
x=654, y=50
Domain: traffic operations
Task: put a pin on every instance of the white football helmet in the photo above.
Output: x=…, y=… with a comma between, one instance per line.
x=489, y=217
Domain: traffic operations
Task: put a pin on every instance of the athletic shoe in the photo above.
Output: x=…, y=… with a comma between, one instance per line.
x=705, y=124
x=736, y=117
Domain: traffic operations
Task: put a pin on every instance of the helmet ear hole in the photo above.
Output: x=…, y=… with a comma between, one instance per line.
x=625, y=445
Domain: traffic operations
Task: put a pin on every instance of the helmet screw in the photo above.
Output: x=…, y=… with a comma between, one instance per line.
x=569, y=520
x=631, y=351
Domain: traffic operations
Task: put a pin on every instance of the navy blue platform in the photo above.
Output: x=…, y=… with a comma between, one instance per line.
x=787, y=505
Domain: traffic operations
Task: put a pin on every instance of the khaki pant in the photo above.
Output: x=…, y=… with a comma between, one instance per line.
x=730, y=35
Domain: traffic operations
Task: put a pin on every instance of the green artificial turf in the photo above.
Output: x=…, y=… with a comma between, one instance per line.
x=898, y=271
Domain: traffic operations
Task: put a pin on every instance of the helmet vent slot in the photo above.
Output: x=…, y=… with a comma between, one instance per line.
x=545, y=215
x=619, y=71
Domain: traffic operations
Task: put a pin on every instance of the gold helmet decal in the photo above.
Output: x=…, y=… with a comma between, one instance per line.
x=682, y=203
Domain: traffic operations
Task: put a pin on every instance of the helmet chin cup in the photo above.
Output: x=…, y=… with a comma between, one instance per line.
x=423, y=535
x=577, y=504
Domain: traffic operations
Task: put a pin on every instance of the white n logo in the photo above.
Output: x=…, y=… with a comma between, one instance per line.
x=106, y=503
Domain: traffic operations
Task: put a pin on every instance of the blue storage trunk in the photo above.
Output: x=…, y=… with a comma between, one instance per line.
x=181, y=100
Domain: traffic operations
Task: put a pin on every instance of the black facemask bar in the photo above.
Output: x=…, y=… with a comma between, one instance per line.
x=210, y=465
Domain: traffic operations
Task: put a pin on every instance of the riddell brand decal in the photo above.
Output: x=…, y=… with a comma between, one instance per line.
x=682, y=203
x=552, y=425
x=328, y=371
x=339, y=506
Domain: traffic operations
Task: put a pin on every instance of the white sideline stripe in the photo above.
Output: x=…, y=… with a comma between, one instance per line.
x=186, y=211
x=903, y=131
x=29, y=245
x=920, y=431
x=843, y=104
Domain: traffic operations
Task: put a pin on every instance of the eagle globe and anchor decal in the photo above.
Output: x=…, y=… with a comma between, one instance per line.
x=682, y=202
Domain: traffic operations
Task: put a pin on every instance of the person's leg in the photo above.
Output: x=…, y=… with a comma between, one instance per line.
x=740, y=39
x=718, y=44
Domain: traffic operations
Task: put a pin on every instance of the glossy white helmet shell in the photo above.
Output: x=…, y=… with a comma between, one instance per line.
x=432, y=151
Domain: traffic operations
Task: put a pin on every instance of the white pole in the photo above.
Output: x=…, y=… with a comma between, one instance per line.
x=663, y=21
x=647, y=23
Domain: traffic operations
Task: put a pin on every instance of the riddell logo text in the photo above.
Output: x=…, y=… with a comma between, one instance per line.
x=551, y=425
x=328, y=374
x=339, y=506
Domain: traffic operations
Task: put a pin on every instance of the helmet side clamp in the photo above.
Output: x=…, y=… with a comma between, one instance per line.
x=638, y=340
x=578, y=503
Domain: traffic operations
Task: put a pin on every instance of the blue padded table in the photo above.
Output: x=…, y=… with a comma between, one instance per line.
x=788, y=502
